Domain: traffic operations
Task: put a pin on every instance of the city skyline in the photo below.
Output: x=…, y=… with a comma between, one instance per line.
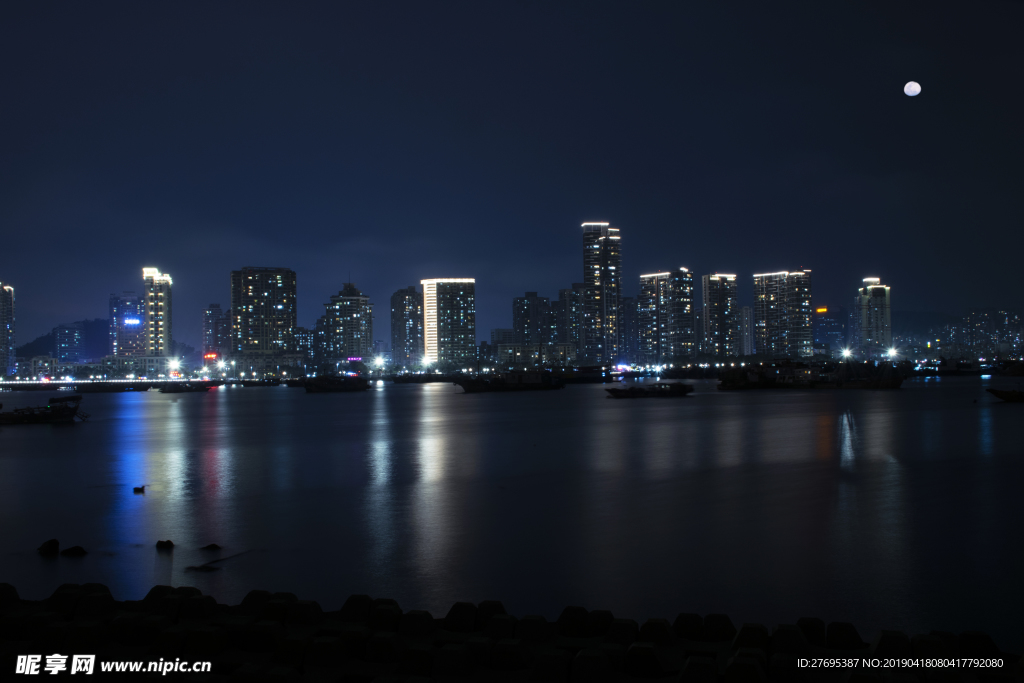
x=346, y=160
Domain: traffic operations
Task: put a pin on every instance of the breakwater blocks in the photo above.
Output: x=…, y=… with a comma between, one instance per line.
x=278, y=637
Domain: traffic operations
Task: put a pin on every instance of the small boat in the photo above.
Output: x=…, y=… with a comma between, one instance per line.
x=331, y=384
x=510, y=381
x=1008, y=395
x=656, y=390
x=183, y=388
x=57, y=410
x=296, y=382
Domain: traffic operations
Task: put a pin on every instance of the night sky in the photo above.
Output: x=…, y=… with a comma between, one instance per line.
x=397, y=141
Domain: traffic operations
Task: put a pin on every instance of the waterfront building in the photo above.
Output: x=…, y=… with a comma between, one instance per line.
x=407, y=326
x=746, y=331
x=216, y=331
x=125, y=313
x=652, y=318
x=157, y=312
x=783, y=326
x=349, y=325
x=665, y=319
x=988, y=332
x=602, y=279
x=830, y=329
x=264, y=310
x=449, y=320
x=873, y=316
x=304, y=342
x=503, y=335
x=568, y=314
x=525, y=356
x=719, y=308
x=532, y=322
x=67, y=342
x=8, y=361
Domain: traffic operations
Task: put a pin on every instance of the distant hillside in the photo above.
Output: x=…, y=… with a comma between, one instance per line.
x=40, y=346
x=95, y=341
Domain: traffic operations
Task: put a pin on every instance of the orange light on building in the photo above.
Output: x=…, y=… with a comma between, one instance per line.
x=821, y=310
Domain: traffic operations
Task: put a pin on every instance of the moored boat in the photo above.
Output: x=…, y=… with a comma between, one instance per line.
x=1008, y=395
x=183, y=388
x=57, y=410
x=655, y=390
x=331, y=384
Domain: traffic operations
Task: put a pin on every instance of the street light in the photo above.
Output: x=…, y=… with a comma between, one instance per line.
x=847, y=353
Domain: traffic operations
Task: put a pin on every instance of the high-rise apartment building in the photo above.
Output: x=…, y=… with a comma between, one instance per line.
x=990, y=332
x=783, y=326
x=216, y=331
x=407, y=326
x=602, y=278
x=157, y=312
x=871, y=311
x=665, y=318
x=720, y=309
x=349, y=325
x=449, y=320
x=746, y=331
x=305, y=340
x=830, y=329
x=126, y=312
x=629, y=330
x=67, y=342
x=652, y=318
x=532, y=321
x=568, y=313
x=264, y=312
x=8, y=361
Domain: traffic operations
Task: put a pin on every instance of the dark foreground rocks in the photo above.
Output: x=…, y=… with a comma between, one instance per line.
x=277, y=637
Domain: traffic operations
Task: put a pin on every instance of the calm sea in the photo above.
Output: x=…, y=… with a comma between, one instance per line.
x=901, y=509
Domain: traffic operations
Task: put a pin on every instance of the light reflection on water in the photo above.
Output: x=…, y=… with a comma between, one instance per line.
x=765, y=505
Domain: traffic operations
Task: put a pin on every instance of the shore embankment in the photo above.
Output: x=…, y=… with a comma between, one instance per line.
x=278, y=637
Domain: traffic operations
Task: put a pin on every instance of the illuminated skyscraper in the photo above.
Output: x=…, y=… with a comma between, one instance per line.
x=157, y=312
x=532, y=321
x=746, y=331
x=873, y=317
x=216, y=331
x=8, y=362
x=263, y=310
x=783, y=326
x=568, y=312
x=407, y=326
x=652, y=317
x=449, y=320
x=602, y=279
x=67, y=341
x=349, y=325
x=665, y=317
x=124, y=307
x=719, y=315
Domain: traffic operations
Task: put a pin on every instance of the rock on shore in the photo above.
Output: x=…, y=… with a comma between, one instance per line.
x=276, y=636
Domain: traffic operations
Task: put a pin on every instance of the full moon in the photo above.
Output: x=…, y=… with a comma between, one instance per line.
x=912, y=88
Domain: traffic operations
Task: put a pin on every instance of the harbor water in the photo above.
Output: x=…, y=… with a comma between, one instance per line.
x=889, y=509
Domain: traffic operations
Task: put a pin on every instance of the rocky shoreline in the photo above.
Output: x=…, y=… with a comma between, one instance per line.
x=277, y=637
